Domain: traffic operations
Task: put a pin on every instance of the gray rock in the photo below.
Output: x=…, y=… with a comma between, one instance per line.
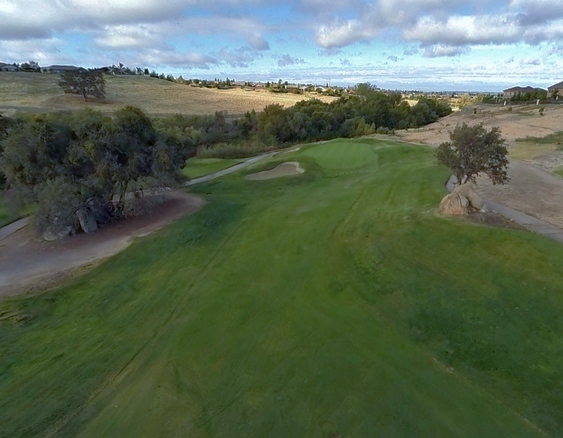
x=100, y=211
x=87, y=220
x=469, y=192
x=55, y=232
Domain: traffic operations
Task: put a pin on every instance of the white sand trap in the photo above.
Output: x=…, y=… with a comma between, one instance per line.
x=284, y=169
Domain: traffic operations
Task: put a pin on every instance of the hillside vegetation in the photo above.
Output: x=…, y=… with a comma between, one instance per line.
x=335, y=303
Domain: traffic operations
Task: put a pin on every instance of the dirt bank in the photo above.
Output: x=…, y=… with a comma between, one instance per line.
x=31, y=265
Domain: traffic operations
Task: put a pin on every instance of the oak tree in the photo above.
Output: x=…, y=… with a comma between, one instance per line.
x=473, y=150
x=87, y=83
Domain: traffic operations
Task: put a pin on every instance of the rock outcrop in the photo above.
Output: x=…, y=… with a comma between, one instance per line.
x=56, y=232
x=100, y=210
x=87, y=220
x=475, y=200
x=454, y=204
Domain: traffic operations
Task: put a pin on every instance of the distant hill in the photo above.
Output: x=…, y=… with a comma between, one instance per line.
x=32, y=92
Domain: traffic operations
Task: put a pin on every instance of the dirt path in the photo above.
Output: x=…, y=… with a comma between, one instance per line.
x=30, y=265
x=531, y=190
x=231, y=169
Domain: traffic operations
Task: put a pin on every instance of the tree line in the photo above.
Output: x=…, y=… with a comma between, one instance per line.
x=367, y=112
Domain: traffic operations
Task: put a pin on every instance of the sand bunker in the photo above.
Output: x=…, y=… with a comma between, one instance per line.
x=285, y=169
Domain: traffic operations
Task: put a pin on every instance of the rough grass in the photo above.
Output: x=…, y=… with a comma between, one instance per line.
x=40, y=92
x=530, y=147
x=332, y=303
x=196, y=167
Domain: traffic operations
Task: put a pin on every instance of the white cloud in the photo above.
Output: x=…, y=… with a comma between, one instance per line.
x=338, y=35
x=48, y=51
x=247, y=28
x=129, y=36
x=460, y=30
x=444, y=50
x=186, y=60
x=241, y=57
x=533, y=12
x=287, y=59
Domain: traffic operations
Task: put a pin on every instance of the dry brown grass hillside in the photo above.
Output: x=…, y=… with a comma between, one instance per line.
x=515, y=123
x=40, y=92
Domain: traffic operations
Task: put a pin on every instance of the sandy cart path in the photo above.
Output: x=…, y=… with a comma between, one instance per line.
x=531, y=190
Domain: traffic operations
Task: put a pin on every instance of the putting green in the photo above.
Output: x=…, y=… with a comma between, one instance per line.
x=336, y=154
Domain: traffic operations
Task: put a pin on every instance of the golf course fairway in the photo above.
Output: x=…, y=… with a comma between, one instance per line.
x=332, y=303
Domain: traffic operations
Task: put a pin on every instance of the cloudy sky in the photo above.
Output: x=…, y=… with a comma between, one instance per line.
x=481, y=45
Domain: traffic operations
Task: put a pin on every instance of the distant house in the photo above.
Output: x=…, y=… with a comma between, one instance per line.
x=523, y=92
x=515, y=91
x=8, y=67
x=58, y=69
x=556, y=90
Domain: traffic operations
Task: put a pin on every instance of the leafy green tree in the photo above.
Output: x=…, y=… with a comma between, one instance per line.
x=63, y=160
x=87, y=83
x=5, y=124
x=31, y=66
x=473, y=150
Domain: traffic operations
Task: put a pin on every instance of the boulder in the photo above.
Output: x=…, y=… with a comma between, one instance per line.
x=100, y=211
x=56, y=232
x=469, y=192
x=454, y=204
x=87, y=220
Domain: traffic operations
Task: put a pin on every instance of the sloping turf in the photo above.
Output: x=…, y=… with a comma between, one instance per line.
x=335, y=302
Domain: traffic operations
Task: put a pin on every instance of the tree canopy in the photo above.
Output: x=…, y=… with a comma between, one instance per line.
x=63, y=160
x=87, y=83
x=473, y=150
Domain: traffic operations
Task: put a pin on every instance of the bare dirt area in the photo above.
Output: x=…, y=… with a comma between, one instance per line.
x=532, y=189
x=519, y=122
x=28, y=264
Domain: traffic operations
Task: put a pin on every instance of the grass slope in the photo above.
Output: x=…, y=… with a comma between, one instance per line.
x=40, y=92
x=335, y=302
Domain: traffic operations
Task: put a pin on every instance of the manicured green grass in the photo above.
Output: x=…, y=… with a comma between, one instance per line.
x=197, y=167
x=335, y=302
